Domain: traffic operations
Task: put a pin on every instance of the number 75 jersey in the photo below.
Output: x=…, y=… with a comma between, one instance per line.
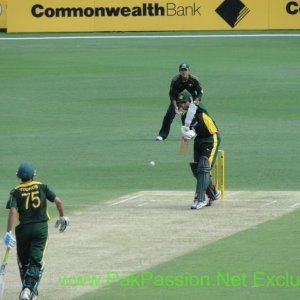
x=30, y=200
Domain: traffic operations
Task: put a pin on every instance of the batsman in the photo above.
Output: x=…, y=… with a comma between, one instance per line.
x=28, y=202
x=197, y=124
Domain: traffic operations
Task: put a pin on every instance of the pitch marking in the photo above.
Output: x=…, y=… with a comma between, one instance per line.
x=269, y=203
x=126, y=199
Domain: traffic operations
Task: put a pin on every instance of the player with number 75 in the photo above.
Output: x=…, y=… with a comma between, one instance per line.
x=28, y=200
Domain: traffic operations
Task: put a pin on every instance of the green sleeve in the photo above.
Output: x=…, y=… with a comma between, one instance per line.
x=11, y=202
x=50, y=195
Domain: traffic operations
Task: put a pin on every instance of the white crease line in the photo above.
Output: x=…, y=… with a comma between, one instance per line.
x=126, y=199
x=269, y=203
x=295, y=205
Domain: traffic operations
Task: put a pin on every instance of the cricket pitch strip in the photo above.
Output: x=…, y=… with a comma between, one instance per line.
x=140, y=230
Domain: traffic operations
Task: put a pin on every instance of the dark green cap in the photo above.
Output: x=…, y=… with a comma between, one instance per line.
x=184, y=66
x=184, y=96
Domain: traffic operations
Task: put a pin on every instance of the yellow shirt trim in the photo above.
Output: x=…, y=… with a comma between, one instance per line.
x=214, y=149
x=28, y=183
x=209, y=124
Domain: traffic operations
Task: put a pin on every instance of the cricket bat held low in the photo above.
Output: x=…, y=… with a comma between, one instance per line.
x=2, y=272
x=184, y=146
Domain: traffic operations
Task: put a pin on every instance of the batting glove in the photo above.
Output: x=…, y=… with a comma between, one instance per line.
x=9, y=240
x=187, y=134
x=62, y=223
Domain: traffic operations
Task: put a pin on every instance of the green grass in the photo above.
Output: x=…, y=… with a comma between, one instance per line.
x=85, y=112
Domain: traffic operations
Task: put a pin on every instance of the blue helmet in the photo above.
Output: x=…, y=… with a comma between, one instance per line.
x=26, y=171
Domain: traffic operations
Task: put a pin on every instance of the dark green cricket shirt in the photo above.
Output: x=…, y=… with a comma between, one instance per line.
x=30, y=200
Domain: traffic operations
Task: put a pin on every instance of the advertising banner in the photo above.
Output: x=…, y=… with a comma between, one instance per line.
x=284, y=14
x=48, y=16
x=153, y=15
x=3, y=21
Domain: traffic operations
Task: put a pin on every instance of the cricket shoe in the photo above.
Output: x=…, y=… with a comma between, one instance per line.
x=159, y=138
x=199, y=204
x=25, y=294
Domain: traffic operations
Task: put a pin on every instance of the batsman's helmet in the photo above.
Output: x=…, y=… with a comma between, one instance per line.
x=26, y=171
x=184, y=97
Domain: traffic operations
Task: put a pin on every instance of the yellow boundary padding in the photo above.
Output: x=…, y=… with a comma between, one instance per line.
x=3, y=14
x=159, y=15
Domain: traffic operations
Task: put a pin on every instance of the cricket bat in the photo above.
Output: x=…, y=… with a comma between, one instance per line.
x=2, y=272
x=184, y=147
